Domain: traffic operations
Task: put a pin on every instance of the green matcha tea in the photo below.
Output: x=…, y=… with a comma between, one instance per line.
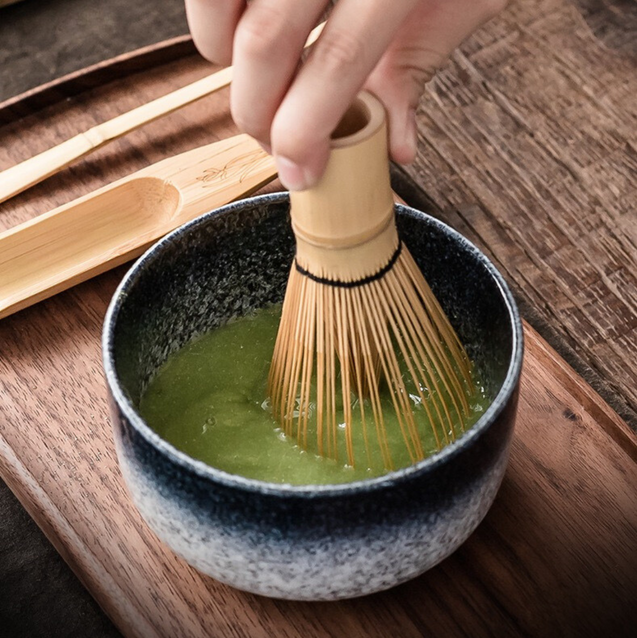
x=209, y=400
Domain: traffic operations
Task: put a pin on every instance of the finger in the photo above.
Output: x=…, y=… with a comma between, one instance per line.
x=398, y=81
x=354, y=39
x=422, y=45
x=268, y=44
x=212, y=24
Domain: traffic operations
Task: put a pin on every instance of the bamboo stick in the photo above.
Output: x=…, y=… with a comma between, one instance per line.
x=32, y=171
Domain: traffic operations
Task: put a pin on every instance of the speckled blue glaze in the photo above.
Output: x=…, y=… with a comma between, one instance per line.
x=303, y=542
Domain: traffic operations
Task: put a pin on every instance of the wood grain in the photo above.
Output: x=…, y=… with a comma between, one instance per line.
x=557, y=554
x=118, y=222
x=528, y=144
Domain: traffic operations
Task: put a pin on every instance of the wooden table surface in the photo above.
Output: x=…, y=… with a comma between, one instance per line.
x=528, y=145
x=528, y=148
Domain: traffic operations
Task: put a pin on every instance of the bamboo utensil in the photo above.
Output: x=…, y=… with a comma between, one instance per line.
x=357, y=307
x=32, y=171
x=116, y=223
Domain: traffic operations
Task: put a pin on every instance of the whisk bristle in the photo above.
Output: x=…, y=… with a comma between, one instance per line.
x=339, y=344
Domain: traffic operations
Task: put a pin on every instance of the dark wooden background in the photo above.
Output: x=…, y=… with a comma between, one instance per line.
x=535, y=119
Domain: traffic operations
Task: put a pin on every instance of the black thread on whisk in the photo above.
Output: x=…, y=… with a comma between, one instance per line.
x=358, y=282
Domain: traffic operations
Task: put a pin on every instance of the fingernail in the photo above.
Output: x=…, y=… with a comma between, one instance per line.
x=266, y=148
x=292, y=175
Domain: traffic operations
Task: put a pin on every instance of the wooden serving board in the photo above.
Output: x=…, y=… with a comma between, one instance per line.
x=555, y=556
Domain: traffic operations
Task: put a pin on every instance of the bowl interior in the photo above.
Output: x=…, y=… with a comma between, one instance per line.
x=230, y=262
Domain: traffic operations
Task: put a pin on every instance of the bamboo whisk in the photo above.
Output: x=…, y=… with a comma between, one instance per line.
x=358, y=315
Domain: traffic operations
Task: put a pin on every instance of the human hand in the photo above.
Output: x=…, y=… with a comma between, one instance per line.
x=390, y=48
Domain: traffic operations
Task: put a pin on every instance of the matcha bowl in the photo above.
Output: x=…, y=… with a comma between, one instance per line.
x=304, y=542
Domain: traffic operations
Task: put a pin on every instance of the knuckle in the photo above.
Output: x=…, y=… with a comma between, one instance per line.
x=340, y=51
x=420, y=76
x=416, y=64
x=261, y=31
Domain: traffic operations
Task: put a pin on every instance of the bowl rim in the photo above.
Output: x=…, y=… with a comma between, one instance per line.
x=210, y=473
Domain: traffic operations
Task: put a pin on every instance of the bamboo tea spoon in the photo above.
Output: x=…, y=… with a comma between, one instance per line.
x=32, y=171
x=116, y=223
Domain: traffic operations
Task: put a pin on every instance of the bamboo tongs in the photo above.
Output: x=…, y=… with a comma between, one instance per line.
x=116, y=223
x=32, y=171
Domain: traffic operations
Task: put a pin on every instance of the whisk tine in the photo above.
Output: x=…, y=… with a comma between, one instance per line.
x=420, y=326
x=320, y=370
x=372, y=362
x=450, y=338
x=275, y=376
x=308, y=361
x=420, y=298
x=344, y=355
x=391, y=372
x=290, y=379
x=359, y=320
x=359, y=363
x=415, y=359
x=332, y=449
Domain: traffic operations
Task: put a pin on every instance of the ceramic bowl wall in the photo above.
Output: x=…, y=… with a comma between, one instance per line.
x=303, y=542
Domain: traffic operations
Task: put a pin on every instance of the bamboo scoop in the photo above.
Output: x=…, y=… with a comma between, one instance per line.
x=32, y=171
x=99, y=231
